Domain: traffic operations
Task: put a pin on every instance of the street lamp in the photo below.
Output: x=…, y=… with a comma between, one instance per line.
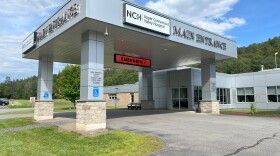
x=275, y=59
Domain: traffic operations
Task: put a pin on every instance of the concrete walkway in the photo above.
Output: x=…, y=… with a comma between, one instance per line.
x=8, y=116
x=6, y=109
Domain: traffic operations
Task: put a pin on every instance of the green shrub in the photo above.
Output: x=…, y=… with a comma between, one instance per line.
x=253, y=108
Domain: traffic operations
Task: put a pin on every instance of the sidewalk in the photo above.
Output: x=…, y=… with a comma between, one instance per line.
x=5, y=109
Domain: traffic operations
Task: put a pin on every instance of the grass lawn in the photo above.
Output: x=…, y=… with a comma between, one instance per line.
x=20, y=104
x=49, y=141
x=270, y=113
x=8, y=123
x=60, y=105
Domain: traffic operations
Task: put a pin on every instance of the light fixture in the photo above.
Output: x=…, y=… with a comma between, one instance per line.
x=106, y=32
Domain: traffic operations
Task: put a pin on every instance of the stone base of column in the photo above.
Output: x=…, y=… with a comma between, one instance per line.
x=147, y=104
x=90, y=115
x=43, y=110
x=208, y=106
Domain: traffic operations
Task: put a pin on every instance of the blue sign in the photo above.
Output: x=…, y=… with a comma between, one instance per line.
x=46, y=95
x=95, y=92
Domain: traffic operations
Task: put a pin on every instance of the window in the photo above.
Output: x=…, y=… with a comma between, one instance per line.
x=132, y=97
x=197, y=94
x=273, y=94
x=223, y=94
x=245, y=94
x=112, y=96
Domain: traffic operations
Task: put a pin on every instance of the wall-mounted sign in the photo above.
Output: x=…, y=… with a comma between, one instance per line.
x=132, y=60
x=29, y=43
x=72, y=12
x=190, y=35
x=32, y=99
x=96, y=77
x=147, y=20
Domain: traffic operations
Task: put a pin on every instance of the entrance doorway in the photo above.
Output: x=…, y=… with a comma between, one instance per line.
x=180, y=98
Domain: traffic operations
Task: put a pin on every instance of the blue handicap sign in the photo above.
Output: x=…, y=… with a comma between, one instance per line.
x=95, y=92
x=46, y=95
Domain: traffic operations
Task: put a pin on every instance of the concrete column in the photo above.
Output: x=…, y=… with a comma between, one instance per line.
x=92, y=66
x=209, y=103
x=147, y=101
x=190, y=86
x=91, y=108
x=43, y=109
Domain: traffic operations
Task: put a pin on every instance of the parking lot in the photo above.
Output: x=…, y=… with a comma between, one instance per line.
x=186, y=133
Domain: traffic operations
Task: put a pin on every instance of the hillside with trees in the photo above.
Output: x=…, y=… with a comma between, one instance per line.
x=67, y=82
x=252, y=57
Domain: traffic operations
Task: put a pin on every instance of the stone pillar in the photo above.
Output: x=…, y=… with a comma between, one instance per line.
x=91, y=115
x=43, y=109
x=209, y=103
x=147, y=100
x=91, y=108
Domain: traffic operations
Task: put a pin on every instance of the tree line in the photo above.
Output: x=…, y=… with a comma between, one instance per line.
x=66, y=83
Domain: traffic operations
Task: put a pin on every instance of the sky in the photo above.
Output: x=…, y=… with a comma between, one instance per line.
x=245, y=21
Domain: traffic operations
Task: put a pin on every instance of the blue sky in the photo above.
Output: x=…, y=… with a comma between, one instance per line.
x=245, y=21
x=262, y=20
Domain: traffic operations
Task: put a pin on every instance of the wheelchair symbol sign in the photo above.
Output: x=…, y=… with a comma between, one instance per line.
x=95, y=92
x=46, y=95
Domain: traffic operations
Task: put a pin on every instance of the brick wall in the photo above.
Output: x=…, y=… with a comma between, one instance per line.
x=124, y=99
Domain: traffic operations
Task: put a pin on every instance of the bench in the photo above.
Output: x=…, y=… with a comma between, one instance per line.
x=135, y=106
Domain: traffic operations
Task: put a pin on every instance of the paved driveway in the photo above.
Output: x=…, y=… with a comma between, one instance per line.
x=188, y=133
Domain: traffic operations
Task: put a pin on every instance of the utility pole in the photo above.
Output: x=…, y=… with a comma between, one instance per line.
x=275, y=59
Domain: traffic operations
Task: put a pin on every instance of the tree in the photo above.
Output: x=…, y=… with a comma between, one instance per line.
x=120, y=77
x=68, y=83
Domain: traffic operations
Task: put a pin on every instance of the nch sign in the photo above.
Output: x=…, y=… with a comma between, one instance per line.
x=147, y=20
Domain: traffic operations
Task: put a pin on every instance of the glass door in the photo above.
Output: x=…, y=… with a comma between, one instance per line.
x=180, y=98
x=175, y=98
x=183, y=98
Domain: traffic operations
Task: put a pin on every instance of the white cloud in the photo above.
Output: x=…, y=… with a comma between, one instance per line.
x=207, y=14
x=13, y=64
x=28, y=7
x=18, y=18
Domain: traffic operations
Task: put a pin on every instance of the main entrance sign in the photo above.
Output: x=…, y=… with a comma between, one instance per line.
x=147, y=20
x=132, y=60
x=190, y=35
